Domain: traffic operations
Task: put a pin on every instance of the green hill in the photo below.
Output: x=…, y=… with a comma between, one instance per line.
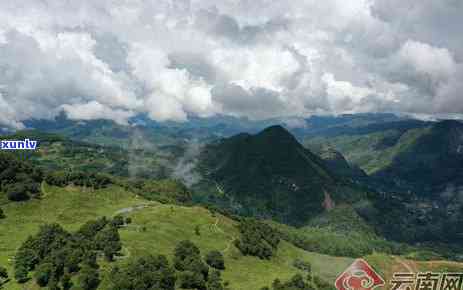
x=271, y=174
x=423, y=160
x=419, y=172
x=155, y=229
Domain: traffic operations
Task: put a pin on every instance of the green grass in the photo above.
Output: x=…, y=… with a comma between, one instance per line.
x=166, y=225
x=372, y=152
x=70, y=207
x=155, y=229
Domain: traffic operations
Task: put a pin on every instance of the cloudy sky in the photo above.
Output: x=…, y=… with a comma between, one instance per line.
x=171, y=59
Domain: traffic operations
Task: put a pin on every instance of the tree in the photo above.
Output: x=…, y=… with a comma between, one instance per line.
x=215, y=260
x=26, y=257
x=91, y=228
x=302, y=265
x=89, y=259
x=88, y=278
x=195, y=264
x=184, y=250
x=118, y=221
x=192, y=280
x=20, y=274
x=297, y=282
x=257, y=239
x=108, y=240
x=66, y=281
x=53, y=284
x=17, y=192
x=73, y=258
x=2, y=214
x=3, y=275
x=215, y=281
x=152, y=272
x=43, y=274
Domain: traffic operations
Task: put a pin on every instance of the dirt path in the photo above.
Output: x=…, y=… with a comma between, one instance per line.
x=42, y=189
x=132, y=208
x=410, y=266
x=216, y=227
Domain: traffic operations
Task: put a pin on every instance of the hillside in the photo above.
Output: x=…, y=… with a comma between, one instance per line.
x=425, y=159
x=271, y=174
x=430, y=161
x=419, y=172
x=156, y=228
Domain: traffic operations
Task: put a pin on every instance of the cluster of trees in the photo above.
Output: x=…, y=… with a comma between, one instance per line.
x=3, y=276
x=326, y=240
x=163, y=190
x=55, y=255
x=298, y=282
x=187, y=272
x=302, y=265
x=150, y=272
x=193, y=272
x=79, y=178
x=257, y=239
x=19, y=180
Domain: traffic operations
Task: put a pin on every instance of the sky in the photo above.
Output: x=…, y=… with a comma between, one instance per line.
x=173, y=59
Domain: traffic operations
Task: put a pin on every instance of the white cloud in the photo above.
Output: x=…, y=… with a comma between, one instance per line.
x=173, y=59
x=94, y=110
x=425, y=59
x=7, y=115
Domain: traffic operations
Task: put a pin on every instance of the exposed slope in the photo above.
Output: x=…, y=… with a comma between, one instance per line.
x=420, y=172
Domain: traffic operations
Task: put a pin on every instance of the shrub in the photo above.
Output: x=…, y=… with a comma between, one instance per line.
x=3, y=273
x=215, y=260
x=302, y=265
x=192, y=280
x=88, y=278
x=17, y=192
x=20, y=274
x=43, y=274
x=118, y=221
x=257, y=239
x=184, y=250
x=152, y=272
x=215, y=281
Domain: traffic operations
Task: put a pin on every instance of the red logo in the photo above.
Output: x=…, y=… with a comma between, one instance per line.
x=359, y=276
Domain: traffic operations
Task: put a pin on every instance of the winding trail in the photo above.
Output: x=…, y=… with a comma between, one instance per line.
x=410, y=268
x=218, y=229
x=132, y=209
x=42, y=189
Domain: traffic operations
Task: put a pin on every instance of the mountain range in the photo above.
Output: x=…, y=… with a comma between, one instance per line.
x=401, y=175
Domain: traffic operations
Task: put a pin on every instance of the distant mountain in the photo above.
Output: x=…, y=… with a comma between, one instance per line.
x=338, y=164
x=419, y=172
x=272, y=174
x=106, y=132
x=429, y=160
